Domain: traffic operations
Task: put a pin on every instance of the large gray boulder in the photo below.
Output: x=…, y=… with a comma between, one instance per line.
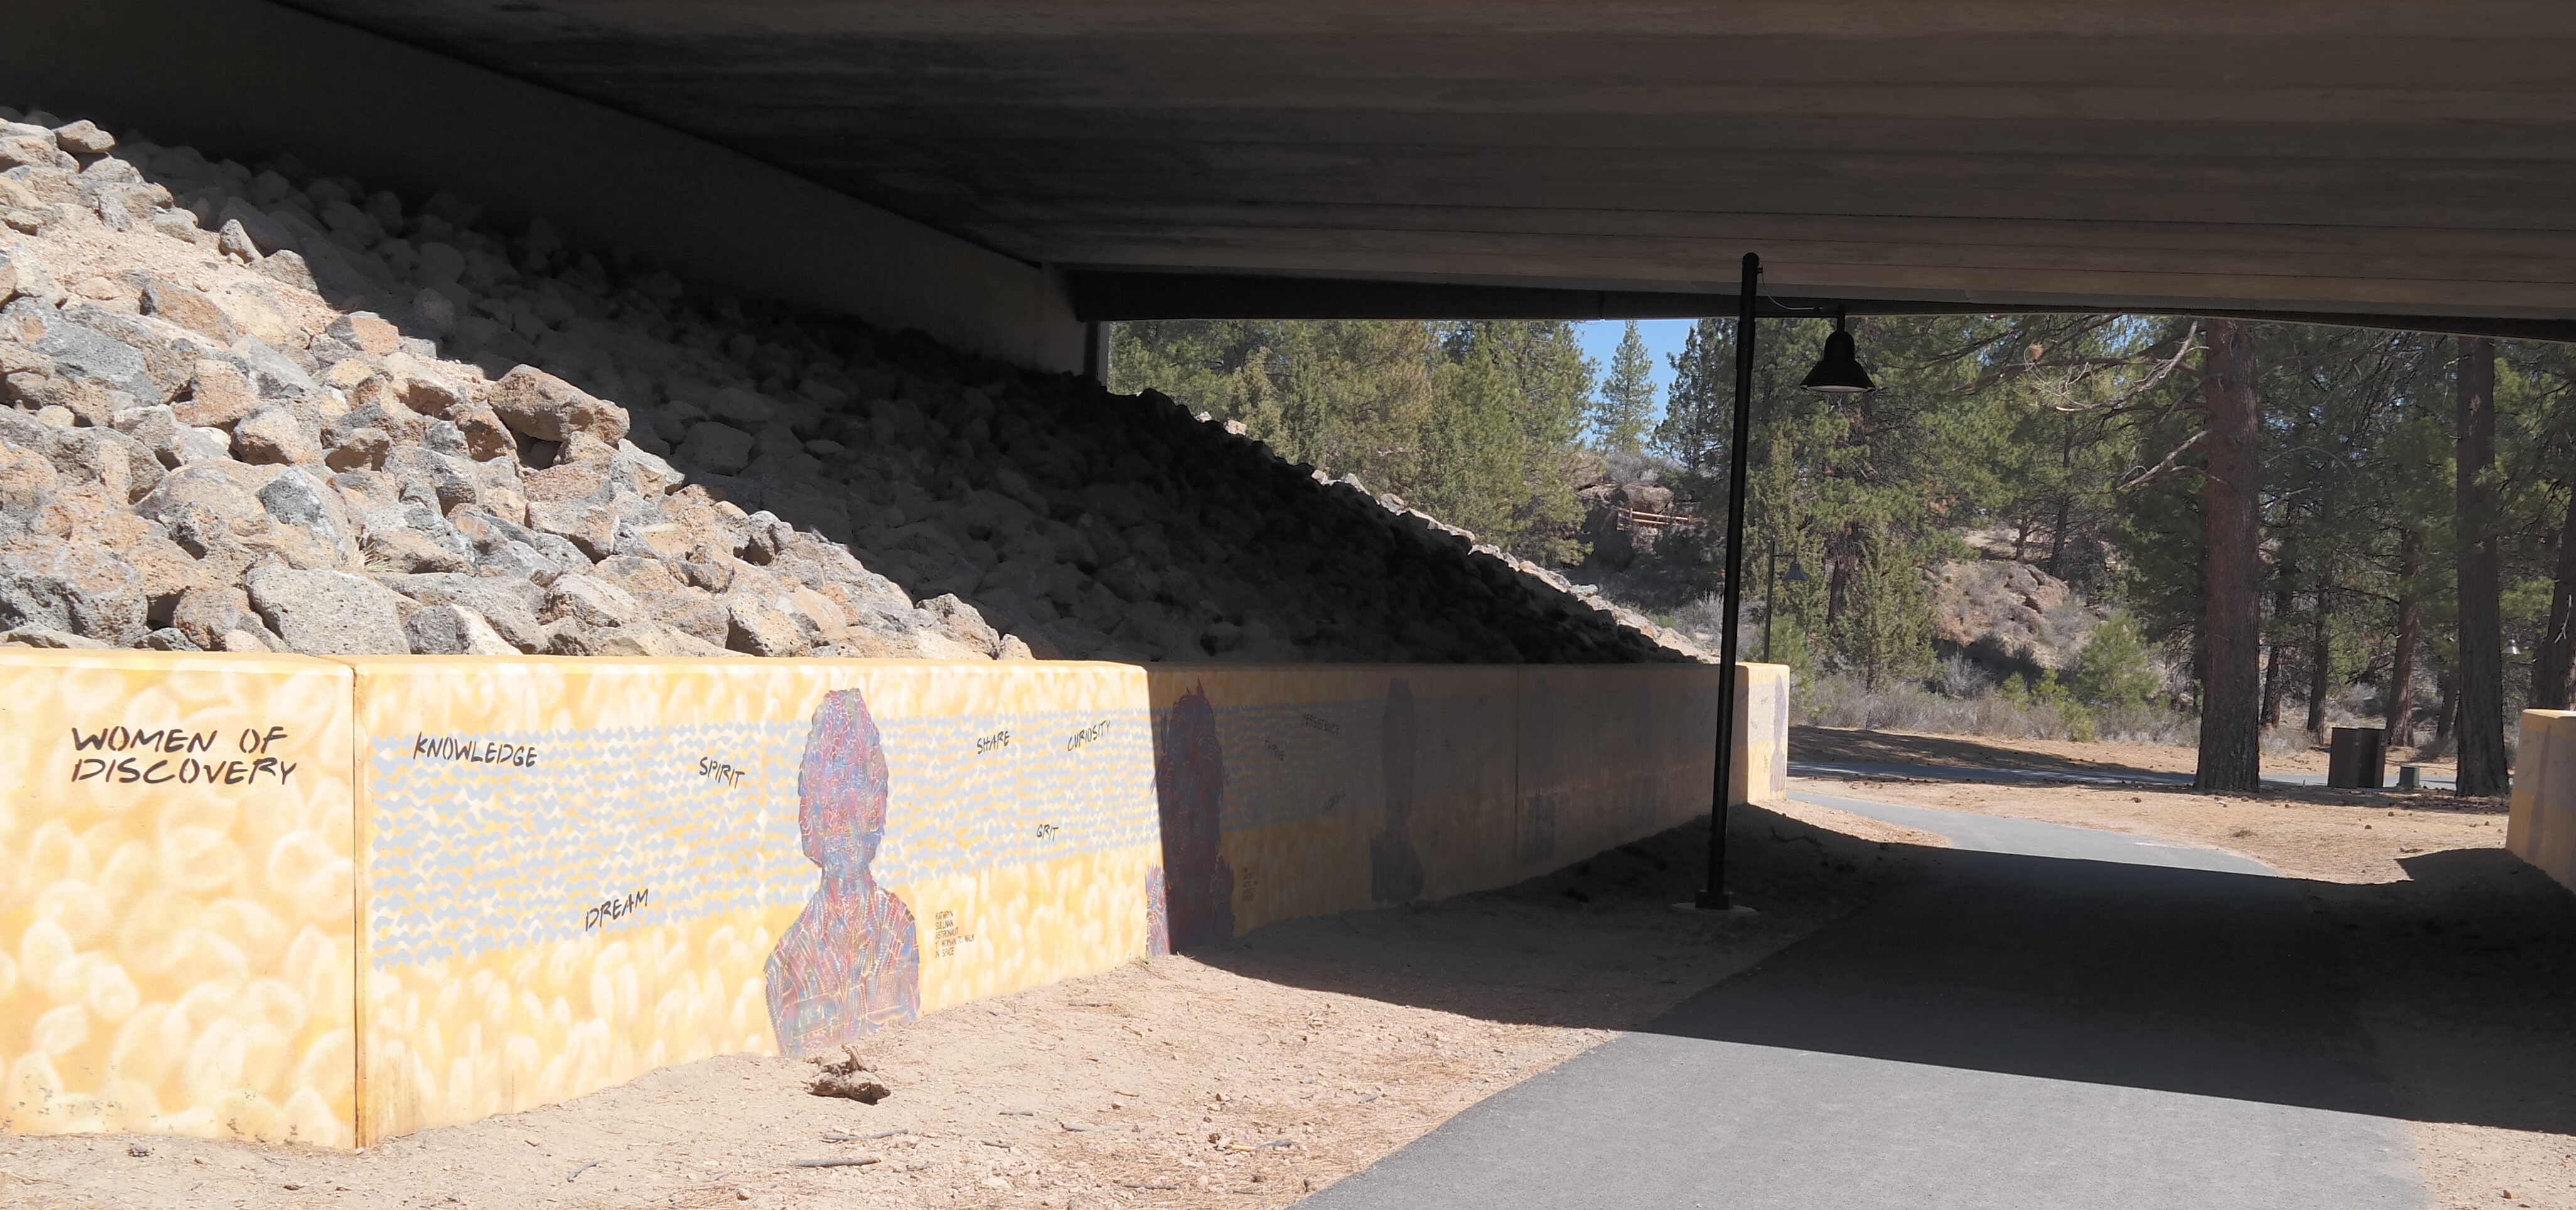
x=77, y=589
x=453, y=630
x=330, y=612
x=509, y=605
x=721, y=448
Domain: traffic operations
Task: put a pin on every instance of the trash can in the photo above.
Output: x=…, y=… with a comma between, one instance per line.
x=2355, y=759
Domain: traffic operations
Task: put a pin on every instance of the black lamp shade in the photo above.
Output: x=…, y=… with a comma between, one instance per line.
x=1838, y=372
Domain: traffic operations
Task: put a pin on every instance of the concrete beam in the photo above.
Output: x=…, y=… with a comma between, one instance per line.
x=1103, y=296
x=2322, y=155
x=248, y=80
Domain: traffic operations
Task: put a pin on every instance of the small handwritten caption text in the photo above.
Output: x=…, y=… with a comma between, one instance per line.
x=467, y=749
x=253, y=742
x=615, y=909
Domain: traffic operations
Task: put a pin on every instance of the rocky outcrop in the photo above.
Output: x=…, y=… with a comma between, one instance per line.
x=273, y=410
x=2008, y=617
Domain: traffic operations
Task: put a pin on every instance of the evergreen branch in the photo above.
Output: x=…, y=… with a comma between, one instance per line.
x=2164, y=466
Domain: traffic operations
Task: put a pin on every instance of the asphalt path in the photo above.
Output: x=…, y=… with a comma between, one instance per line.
x=2082, y=777
x=2047, y=1017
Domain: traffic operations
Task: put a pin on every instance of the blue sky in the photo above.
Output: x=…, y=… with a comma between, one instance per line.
x=1663, y=339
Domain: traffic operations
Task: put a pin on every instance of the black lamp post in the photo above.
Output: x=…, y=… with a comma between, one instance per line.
x=1838, y=372
x=1715, y=897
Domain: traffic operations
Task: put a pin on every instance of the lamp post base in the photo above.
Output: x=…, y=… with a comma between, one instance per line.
x=1721, y=904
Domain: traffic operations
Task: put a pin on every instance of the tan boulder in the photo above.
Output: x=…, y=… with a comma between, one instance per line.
x=416, y=386
x=542, y=406
x=25, y=476
x=191, y=309
x=219, y=395
x=252, y=309
x=366, y=332
x=275, y=434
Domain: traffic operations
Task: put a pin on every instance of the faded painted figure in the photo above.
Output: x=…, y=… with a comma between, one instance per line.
x=1189, y=787
x=852, y=961
x=1158, y=915
x=1395, y=870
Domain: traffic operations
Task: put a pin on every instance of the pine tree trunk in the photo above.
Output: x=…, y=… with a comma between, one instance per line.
x=2272, y=689
x=2057, y=538
x=2275, y=685
x=2320, y=655
x=2401, y=677
x=2481, y=726
x=2447, y=712
x=2553, y=673
x=2231, y=673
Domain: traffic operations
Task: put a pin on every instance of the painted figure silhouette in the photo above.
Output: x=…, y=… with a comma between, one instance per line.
x=1158, y=915
x=1189, y=787
x=852, y=960
x=1395, y=870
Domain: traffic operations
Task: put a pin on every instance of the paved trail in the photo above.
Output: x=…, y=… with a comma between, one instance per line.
x=2081, y=777
x=2048, y=1017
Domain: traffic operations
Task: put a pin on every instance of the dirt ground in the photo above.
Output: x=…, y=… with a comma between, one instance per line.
x=2346, y=836
x=2462, y=959
x=1243, y=1075
x=1254, y=1072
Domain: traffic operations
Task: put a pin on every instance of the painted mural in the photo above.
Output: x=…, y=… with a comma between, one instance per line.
x=584, y=870
x=851, y=963
x=175, y=869
x=332, y=902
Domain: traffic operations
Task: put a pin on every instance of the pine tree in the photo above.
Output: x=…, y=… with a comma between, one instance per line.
x=1693, y=431
x=2073, y=441
x=1619, y=420
x=1885, y=631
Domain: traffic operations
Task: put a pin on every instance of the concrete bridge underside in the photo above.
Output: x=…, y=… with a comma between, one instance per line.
x=2413, y=163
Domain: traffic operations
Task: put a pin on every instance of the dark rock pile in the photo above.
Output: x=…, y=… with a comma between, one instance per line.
x=272, y=410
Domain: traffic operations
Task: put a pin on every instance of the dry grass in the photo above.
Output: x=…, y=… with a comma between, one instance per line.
x=1841, y=701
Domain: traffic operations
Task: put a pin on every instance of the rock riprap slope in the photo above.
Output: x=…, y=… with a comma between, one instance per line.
x=274, y=411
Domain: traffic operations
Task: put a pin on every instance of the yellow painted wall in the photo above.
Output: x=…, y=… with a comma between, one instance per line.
x=1762, y=739
x=581, y=870
x=492, y=884
x=2541, y=828
x=175, y=896
x=1335, y=789
x=1331, y=788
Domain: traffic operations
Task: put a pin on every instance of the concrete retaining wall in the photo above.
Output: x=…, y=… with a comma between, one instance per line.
x=2542, y=827
x=293, y=899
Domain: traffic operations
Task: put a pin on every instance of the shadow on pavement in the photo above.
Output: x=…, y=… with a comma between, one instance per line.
x=2191, y=981
x=2451, y=997
x=1846, y=746
x=1597, y=944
